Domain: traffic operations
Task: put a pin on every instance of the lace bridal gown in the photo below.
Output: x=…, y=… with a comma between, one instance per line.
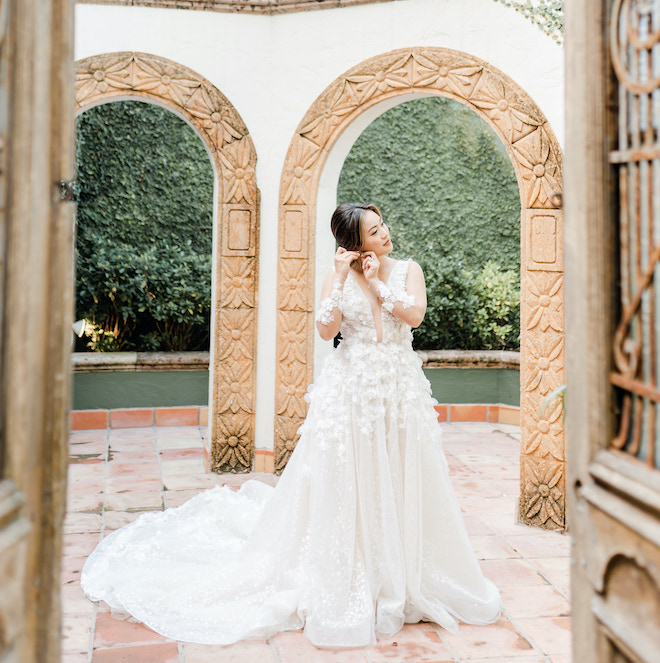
x=361, y=534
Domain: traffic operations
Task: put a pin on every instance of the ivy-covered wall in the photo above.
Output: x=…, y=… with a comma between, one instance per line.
x=447, y=189
x=144, y=230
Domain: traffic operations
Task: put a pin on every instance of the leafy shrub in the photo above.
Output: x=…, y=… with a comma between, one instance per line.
x=156, y=298
x=469, y=310
x=145, y=192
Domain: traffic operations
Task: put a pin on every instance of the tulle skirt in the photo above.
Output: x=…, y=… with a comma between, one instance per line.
x=361, y=534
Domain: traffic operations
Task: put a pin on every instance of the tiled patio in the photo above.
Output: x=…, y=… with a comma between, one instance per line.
x=117, y=474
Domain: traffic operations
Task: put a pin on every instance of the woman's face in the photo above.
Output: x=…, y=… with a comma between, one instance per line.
x=375, y=233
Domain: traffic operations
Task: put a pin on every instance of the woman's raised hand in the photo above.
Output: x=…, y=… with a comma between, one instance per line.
x=343, y=260
x=370, y=265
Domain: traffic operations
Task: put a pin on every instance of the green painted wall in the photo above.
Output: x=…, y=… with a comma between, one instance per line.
x=475, y=385
x=108, y=390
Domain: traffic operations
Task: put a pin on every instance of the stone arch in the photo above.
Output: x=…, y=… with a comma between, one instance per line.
x=119, y=76
x=537, y=161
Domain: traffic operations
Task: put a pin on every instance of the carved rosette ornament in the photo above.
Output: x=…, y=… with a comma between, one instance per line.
x=115, y=76
x=537, y=160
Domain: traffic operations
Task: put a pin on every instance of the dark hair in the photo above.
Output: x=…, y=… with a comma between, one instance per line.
x=346, y=227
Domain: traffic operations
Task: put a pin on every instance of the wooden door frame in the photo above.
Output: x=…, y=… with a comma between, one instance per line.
x=613, y=499
x=37, y=312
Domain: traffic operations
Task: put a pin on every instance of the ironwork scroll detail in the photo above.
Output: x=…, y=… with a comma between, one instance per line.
x=635, y=52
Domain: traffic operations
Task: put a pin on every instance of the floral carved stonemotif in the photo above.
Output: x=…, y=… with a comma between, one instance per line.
x=115, y=76
x=537, y=160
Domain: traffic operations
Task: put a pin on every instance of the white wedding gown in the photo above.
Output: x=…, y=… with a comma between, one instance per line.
x=361, y=534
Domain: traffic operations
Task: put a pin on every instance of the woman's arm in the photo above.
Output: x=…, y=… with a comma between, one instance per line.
x=409, y=307
x=328, y=317
x=413, y=307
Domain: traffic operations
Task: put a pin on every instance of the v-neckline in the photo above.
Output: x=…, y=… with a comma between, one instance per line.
x=379, y=306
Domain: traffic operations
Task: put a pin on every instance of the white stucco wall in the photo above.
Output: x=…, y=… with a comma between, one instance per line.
x=272, y=68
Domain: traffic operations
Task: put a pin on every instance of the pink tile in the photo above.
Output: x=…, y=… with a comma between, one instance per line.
x=509, y=415
x=119, y=469
x=180, y=443
x=518, y=659
x=132, y=418
x=506, y=525
x=414, y=642
x=542, y=601
x=113, y=520
x=86, y=471
x=76, y=437
x=82, y=522
x=139, y=433
x=74, y=657
x=70, y=569
x=468, y=412
x=80, y=545
x=92, y=449
x=443, y=412
x=487, y=506
x=474, y=485
x=125, y=484
x=134, y=501
x=89, y=419
x=492, y=547
x=477, y=526
x=552, y=634
x=146, y=454
x=471, y=427
x=543, y=544
x=177, y=416
x=76, y=632
x=500, y=640
x=74, y=601
x=182, y=454
x=249, y=651
x=85, y=485
x=111, y=632
x=178, y=431
x=182, y=482
x=511, y=572
x=89, y=503
x=185, y=466
x=174, y=498
x=556, y=570
x=294, y=647
x=203, y=416
x=167, y=652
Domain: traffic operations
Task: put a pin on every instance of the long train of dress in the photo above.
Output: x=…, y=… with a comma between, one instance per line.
x=361, y=534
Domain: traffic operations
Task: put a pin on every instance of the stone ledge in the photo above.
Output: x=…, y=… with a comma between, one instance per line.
x=239, y=6
x=88, y=362
x=469, y=359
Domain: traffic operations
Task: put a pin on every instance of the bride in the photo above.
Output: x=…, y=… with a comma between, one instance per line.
x=362, y=532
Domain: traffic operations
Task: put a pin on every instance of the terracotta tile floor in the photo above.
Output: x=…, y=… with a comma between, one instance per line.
x=115, y=475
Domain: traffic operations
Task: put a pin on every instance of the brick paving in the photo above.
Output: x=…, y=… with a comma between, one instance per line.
x=116, y=474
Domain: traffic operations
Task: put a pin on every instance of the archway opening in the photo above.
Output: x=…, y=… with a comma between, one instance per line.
x=307, y=195
x=448, y=191
x=144, y=192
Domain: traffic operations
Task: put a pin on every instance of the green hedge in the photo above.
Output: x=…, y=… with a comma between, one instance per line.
x=144, y=224
x=448, y=191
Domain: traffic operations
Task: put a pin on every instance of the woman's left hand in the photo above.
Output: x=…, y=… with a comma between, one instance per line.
x=370, y=265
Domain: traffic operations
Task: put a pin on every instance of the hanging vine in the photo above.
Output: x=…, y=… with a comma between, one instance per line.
x=546, y=14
